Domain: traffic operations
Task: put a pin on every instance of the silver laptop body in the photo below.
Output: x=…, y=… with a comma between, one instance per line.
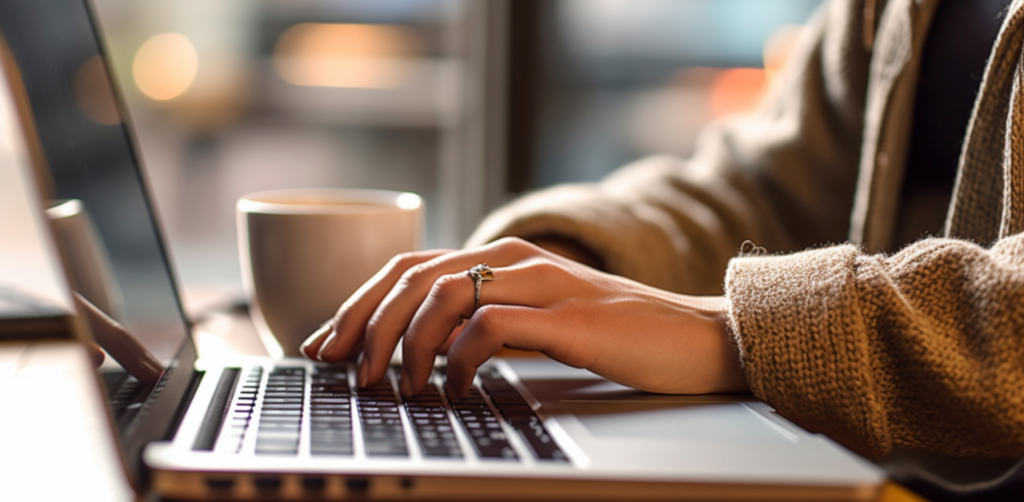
x=591, y=439
x=249, y=428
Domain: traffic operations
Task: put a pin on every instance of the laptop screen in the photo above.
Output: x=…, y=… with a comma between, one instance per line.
x=91, y=160
x=116, y=253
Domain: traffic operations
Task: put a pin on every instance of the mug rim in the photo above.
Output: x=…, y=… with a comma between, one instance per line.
x=329, y=201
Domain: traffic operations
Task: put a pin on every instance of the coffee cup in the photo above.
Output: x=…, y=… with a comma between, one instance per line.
x=303, y=252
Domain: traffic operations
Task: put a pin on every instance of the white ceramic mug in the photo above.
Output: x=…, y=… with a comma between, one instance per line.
x=305, y=251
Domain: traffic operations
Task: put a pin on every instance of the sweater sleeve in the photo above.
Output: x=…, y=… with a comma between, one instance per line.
x=924, y=348
x=783, y=177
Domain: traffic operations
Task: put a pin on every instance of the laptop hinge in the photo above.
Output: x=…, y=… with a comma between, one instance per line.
x=179, y=413
x=218, y=409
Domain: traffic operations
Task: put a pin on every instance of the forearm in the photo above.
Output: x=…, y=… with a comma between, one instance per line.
x=919, y=349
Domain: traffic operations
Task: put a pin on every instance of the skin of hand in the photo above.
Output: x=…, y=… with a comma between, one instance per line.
x=630, y=333
x=122, y=346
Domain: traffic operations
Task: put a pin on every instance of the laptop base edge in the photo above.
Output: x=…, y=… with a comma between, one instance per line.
x=319, y=486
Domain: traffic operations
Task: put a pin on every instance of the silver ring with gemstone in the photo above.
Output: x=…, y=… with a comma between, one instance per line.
x=480, y=274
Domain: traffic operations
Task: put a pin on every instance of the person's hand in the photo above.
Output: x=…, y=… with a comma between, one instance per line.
x=630, y=333
x=122, y=346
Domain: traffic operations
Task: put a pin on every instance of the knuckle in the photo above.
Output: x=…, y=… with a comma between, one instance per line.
x=411, y=259
x=512, y=243
x=546, y=267
x=414, y=273
x=402, y=261
x=447, y=287
x=487, y=322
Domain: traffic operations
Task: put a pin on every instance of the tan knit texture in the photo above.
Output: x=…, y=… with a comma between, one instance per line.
x=921, y=348
x=977, y=207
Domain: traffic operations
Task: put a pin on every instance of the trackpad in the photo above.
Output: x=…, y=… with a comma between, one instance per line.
x=673, y=421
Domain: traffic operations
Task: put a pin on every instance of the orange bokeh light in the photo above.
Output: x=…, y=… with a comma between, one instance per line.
x=738, y=90
x=165, y=66
x=344, y=55
x=93, y=93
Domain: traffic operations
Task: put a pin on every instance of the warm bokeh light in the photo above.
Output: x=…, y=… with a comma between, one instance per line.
x=738, y=90
x=165, y=66
x=344, y=55
x=93, y=94
x=741, y=90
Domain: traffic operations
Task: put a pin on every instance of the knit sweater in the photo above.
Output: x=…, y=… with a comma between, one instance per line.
x=879, y=342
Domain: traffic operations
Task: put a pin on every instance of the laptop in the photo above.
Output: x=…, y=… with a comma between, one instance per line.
x=287, y=428
x=46, y=375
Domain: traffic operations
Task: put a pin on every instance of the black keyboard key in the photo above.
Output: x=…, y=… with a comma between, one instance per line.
x=520, y=416
x=271, y=412
x=382, y=426
x=536, y=435
x=270, y=426
x=280, y=417
x=113, y=380
x=427, y=413
x=237, y=426
x=514, y=411
x=282, y=400
x=532, y=430
x=487, y=445
x=330, y=409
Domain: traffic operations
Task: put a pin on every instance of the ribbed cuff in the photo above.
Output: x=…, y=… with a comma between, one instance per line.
x=804, y=344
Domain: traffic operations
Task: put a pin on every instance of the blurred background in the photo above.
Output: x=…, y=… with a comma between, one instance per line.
x=466, y=102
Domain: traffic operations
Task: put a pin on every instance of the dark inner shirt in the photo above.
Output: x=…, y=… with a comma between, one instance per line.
x=952, y=66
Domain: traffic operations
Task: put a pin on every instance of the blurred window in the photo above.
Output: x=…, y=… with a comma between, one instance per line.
x=620, y=79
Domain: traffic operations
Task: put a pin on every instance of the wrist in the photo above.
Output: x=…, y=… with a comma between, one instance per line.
x=727, y=375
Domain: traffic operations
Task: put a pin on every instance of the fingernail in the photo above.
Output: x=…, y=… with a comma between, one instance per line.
x=404, y=387
x=364, y=373
x=328, y=346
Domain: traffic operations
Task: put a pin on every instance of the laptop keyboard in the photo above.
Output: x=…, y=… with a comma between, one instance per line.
x=125, y=394
x=433, y=429
x=338, y=413
x=330, y=413
x=281, y=413
x=483, y=427
x=381, y=421
x=520, y=416
x=241, y=414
